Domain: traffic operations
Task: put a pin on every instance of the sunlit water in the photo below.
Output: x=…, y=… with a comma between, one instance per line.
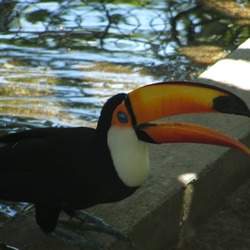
x=59, y=62
x=65, y=83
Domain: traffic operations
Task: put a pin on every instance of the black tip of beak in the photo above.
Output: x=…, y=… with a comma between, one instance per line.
x=231, y=105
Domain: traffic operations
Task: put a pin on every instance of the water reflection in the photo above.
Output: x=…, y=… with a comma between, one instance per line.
x=70, y=96
x=61, y=60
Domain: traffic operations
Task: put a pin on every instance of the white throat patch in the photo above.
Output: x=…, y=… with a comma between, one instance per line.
x=129, y=155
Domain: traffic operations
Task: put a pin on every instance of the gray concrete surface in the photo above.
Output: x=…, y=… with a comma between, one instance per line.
x=187, y=182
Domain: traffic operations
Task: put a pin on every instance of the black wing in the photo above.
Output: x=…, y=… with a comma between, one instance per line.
x=34, y=162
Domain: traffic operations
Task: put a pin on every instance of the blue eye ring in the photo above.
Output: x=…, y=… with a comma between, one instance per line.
x=122, y=117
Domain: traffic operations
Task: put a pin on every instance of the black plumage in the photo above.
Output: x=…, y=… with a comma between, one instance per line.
x=54, y=168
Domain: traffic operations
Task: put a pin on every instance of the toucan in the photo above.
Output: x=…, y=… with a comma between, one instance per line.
x=70, y=169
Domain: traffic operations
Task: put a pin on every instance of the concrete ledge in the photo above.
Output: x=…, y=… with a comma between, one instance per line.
x=187, y=182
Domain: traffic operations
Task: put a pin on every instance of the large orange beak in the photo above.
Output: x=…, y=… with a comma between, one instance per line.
x=159, y=100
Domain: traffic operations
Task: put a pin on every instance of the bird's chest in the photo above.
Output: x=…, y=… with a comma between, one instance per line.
x=100, y=184
x=129, y=156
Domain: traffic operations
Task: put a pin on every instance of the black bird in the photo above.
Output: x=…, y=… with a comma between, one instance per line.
x=76, y=168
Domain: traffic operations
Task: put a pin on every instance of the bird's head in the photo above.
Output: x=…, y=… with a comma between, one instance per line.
x=156, y=101
x=130, y=117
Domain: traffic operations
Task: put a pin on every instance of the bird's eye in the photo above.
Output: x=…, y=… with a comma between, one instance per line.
x=122, y=117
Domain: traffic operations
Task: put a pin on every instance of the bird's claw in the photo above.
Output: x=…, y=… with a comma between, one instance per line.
x=94, y=223
x=90, y=223
x=75, y=239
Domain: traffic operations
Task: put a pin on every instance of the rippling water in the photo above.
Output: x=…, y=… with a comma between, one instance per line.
x=61, y=74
